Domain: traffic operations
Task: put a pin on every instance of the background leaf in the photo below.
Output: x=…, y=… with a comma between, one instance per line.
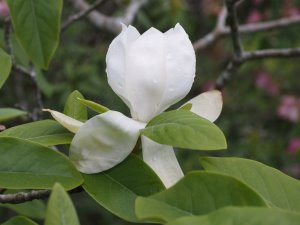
x=274, y=186
x=45, y=132
x=27, y=165
x=41, y=21
x=35, y=209
x=10, y=113
x=74, y=108
x=5, y=66
x=242, y=216
x=197, y=193
x=117, y=188
x=94, y=106
x=19, y=220
x=60, y=209
x=184, y=129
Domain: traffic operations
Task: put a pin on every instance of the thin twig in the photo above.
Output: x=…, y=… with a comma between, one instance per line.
x=217, y=34
x=238, y=52
x=234, y=30
x=271, y=53
x=21, y=197
x=112, y=24
x=29, y=72
x=80, y=15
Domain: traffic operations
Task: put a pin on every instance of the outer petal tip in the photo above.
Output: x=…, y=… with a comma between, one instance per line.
x=208, y=105
x=68, y=122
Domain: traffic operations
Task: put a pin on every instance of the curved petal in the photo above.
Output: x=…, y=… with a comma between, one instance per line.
x=180, y=66
x=68, y=122
x=162, y=159
x=146, y=74
x=207, y=105
x=116, y=61
x=104, y=141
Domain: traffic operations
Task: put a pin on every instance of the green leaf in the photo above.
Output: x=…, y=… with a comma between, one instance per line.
x=60, y=209
x=94, y=106
x=274, y=186
x=5, y=67
x=37, y=27
x=45, y=132
x=187, y=106
x=27, y=165
x=19, y=220
x=184, y=129
x=35, y=209
x=117, y=188
x=242, y=216
x=197, y=193
x=74, y=108
x=10, y=113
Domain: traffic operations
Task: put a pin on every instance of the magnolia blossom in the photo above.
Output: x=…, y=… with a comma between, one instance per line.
x=149, y=72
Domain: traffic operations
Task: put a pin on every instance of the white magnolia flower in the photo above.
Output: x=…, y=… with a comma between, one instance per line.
x=149, y=72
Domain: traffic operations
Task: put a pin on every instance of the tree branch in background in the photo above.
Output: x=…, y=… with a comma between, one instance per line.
x=239, y=56
x=112, y=24
x=216, y=34
x=80, y=15
x=36, y=114
x=21, y=197
x=221, y=32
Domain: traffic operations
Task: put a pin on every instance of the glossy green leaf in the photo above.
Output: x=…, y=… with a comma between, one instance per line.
x=187, y=106
x=197, y=193
x=242, y=216
x=60, y=209
x=74, y=108
x=5, y=67
x=27, y=165
x=94, y=106
x=19, y=220
x=117, y=188
x=45, y=132
x=184, y=129
x=34, y=209
x=10, y=113
x=37, y=27
x=274, y=186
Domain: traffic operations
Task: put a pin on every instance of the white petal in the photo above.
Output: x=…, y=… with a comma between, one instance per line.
x=146, y=74
x=162, y=159
x=207, y=105
x=104, y=141
x=116, y=60
x=68, y=122
x=180, y=66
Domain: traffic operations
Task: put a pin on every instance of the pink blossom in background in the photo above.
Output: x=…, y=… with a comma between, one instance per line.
x=289, y=108
x=257, y=2
x=208, y=86
x=265, y=82
x=293, y=146
x=254, y=16
x=3, y=9
x=289, y=9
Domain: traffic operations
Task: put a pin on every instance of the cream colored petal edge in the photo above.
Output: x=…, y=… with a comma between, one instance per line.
x=104, y=141
x=162, y=160
x=68, y=122
x=207, y=105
